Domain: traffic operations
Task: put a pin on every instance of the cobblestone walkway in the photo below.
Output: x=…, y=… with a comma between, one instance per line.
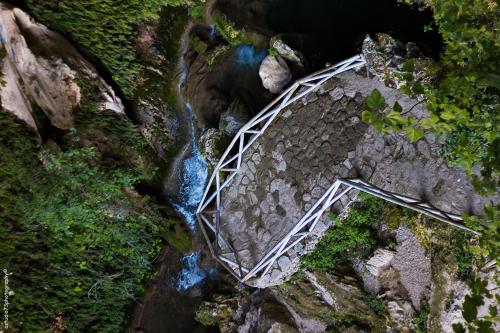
x=309, y=146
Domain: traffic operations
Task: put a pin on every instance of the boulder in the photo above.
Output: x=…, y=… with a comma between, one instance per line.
x=234, y=117
x=274, y=73
x=41, y=70
x=213, y=143
x=372, y=270
x=413, y=264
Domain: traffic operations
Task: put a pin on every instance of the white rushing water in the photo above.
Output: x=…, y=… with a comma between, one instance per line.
x=191, y=274
x=194, y=175
x=194, y=179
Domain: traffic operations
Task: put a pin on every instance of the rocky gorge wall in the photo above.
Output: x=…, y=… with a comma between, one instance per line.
x=40, y=67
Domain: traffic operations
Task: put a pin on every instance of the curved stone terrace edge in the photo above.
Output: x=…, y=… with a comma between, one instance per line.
x=209, y=209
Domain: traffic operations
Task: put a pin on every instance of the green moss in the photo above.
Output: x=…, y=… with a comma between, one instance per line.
x=228, y=30
x=197, y=9
x=179, y=237
x=196, y=44
x=214, y=56
x=117, y=140
x=77, y=238
x=105, y=28
x=272, y=52
x=158, y=83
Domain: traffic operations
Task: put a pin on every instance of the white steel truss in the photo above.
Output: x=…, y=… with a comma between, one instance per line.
x=209, y=210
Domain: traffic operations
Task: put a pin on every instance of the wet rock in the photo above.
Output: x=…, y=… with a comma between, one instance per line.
x=217, y=311
x=274, y=73
x=159, y=125
x=41, y=69
x=212, y=90
x=286, y=51
x=234, y=117
x=213, y=143
x=401, y=314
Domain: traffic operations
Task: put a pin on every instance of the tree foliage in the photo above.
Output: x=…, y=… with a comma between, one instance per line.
x=348, y=236
x=104, y=28
x=472, y=302
x=463, y=102
x=76, y=236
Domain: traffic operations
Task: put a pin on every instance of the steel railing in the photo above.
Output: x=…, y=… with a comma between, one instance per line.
x=209, y=210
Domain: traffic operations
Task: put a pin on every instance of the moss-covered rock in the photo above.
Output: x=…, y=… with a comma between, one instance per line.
x=213, y=143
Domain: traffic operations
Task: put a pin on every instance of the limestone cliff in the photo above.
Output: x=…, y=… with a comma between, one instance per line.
x=41, y=70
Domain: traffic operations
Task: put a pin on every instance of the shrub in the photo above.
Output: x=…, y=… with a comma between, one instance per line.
x=347, y=237
x=375, y=303
x=77, y=238
x=420, y=319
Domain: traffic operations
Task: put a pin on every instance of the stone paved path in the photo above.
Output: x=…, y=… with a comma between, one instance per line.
x=309, y=146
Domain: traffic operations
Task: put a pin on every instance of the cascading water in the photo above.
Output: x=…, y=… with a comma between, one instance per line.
x=191, y=274
x=194, y=178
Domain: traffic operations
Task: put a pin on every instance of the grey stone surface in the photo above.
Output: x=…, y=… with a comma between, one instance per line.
x=413, y=264
x=274, y=73
x=286, y=51
x=373, y=269
x=300, y=155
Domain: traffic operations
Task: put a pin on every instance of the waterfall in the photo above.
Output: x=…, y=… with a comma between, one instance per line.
x=191, y=274
x=194, y=175
x=248, y=55
x=194, y=178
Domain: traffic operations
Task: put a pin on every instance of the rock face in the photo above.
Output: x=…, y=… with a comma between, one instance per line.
x=386, y=56
x=448, y=297
x=311, y=303
x=213, y=143
x=234, y=118
x=286, y=51
x=405, y=272
x=413, y=264
x=274, y=73
x=374, y=268
x=212, y=91
x=41, y=70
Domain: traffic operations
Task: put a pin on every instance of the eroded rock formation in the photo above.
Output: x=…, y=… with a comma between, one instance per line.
x=41, y=70
x=274, y=73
